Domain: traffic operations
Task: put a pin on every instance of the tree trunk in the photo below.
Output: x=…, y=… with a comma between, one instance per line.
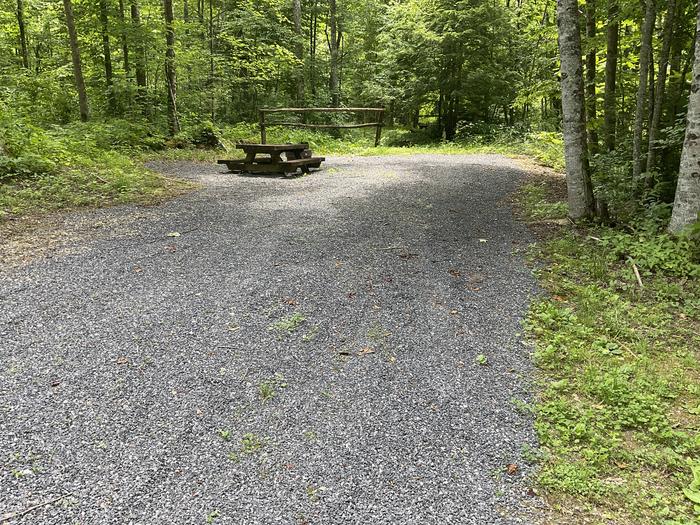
x=660, y=85
x=124, y=42
x=687, y=204
x=107, y=51
x=609, y=104
x=22, y=34
x=591, y=106
x=644, y=58
x=170, y=77
x=313, y=39
x=186, y=12
x=299, y=52
x=333, y=46
x=77, y=63
x=578, y=178
x=212, y=103
x=140, y=56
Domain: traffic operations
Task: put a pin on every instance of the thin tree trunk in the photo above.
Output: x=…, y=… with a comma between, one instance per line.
x=170, y=77
x=591, y=106
x=124, y=42
x=107, y=51
x=609, y=104
x=186, y=11
x=212, y=103
x=299, y=51
x=22, y=34
x=141, y=86
x=578, y=178
x=687, y=204
x=77, y=63
x=333, y=48
x=313, y=35
x=644, y=58
x=660, y=85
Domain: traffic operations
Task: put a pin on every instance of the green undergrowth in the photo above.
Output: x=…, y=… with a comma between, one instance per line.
x=545, y=148
x=618, y=415
x=77, y=165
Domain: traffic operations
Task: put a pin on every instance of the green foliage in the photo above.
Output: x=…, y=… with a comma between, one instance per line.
x=620, y=369
x=533, y=199
x=76, y=165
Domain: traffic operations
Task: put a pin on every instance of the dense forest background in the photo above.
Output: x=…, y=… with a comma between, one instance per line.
x=445, y=70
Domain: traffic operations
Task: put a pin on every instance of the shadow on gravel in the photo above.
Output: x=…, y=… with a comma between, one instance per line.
x=335, y=348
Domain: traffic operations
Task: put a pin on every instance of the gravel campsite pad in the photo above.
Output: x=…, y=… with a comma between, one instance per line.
x=336, y=348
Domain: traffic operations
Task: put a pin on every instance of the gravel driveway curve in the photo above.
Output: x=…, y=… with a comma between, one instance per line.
x=340, y=348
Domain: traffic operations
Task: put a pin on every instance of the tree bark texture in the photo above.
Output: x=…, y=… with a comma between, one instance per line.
x=687, y=203
x=644, y=59
x=77, y=63
x=578, y=179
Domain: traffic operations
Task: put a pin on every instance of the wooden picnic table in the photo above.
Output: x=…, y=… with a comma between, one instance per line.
x=297, y=156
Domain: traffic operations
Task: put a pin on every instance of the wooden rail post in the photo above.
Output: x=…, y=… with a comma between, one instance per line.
x=380, y=123
x=263, y=134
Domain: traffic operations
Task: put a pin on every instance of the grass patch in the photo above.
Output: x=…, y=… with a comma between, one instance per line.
x=288, y=324
x=617, y=415
x=74, y=166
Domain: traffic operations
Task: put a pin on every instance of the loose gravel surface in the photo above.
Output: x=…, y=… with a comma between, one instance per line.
x=340, y=348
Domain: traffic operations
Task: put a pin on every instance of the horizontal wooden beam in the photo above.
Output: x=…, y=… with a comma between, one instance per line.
x=324, y=126
x=325, y=110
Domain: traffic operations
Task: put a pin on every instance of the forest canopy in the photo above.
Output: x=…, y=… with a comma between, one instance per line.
x=445, y=70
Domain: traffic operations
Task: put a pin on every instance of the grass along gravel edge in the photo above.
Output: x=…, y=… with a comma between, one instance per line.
x=618, y=410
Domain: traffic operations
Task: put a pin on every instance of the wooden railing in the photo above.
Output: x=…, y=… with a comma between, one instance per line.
x=378, y=124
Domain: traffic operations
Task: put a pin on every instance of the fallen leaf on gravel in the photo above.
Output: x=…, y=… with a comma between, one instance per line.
x=170, y=248
x=483, y=240
x=290, y=301
x=392, y=359
x=55, y=383
x=344, y=352
x=351, y=295
x=138, y=269
x=174, y=234
x=453, y=312
x=408, y=255
x=455, y=273
x=122, y=360
x=366, y=350
x=559, y=298
x=511, y=468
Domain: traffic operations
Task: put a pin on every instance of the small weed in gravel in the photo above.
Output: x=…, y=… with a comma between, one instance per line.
x=288, y=324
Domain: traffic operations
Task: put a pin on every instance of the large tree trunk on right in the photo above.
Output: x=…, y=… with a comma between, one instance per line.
x=170, y=77
x=610, y=103
x=578, y=178
x=644, y=58
x=77, y=63
x=687, y=204
x=22, y=34
x=334, y=46
x=660, y=85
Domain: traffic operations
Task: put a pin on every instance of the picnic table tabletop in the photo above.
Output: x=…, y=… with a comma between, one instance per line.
x=272, y=148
